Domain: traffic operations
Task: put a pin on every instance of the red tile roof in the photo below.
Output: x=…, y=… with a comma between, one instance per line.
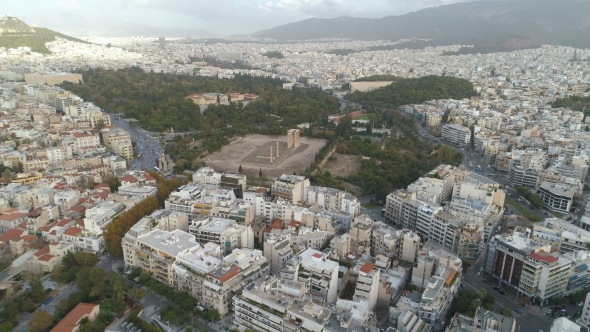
x=367, y=268
x=276, y=223
x=11, y=234
x=543, y=256
x=45, y=258
x=9, y=216
x=148, y=177
x=227, y=276
x=42, y=251
x=72, y=320
x=294, y=223
x=317, y=255
x=78, y=208
x=102, y=185
x=29, y=238
x=129, y=178
x=73, y=231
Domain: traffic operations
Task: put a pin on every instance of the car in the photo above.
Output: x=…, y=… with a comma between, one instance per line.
x=502, y=292
x=478, y=273
x=495, y=288
x=519, y=311
x=580, y=304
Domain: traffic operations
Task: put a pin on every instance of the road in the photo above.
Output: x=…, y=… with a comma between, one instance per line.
x=49, y=308
x=146, y=144
x=528, y=321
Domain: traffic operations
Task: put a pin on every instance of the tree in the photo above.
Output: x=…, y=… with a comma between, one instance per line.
x=136, y=294
x=240, y=169
x=506, y=312
x=100, y=124
x=211, y=315
x=114, y=183
x=260, y=172
x=7, y=174
x=369, y=129
x=41, y=321
x=85, y=259
x=9, y=311
x=6, y=326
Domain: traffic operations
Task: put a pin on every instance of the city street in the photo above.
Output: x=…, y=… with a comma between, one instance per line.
x=148, y=146
x=528, y=321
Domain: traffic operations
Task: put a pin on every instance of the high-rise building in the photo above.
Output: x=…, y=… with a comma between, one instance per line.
x=162, y=41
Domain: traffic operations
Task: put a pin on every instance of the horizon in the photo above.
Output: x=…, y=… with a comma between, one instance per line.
x=223, y=17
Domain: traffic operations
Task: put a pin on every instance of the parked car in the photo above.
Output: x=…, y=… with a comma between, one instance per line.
x=519, y=311
x=502, y=292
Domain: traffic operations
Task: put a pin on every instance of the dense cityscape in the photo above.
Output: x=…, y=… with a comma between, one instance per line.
x=288, y=223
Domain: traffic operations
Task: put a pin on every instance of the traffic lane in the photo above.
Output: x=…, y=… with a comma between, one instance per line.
x=528, y=321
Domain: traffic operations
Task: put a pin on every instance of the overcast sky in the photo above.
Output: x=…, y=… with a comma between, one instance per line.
x=220, y=16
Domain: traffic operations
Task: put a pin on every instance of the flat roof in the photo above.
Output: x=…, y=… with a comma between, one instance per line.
x=172, y=243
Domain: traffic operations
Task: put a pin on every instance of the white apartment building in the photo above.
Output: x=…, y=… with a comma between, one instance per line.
x=83, y=141
x=456, y=134
x=262, y=306
x=290, y=187
x=438, y=295
x=278, y=250
x=99, y=217
x=156, y=250
x=142, y=192
x=557, y=197
x=317, y=271
x=331, y=198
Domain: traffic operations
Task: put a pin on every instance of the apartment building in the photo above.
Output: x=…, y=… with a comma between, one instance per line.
x=83, y=141
x=407, y=321
x=438, y=295
x=278, y=250
x=235, y=182
x=290, y=188
x=155, y=250
x=331, y=198
x=141, y=193
x=360, y=234
x=385, y=240
x=528, y=266
x=210, y=229
x=433, y=119
x=263, y=305
x=308, y=238
x=561, y=235
x=119, y=141
x=313, y=268
x=557, y=197
x=96, y=117
x=99, y=217
x=456, y=134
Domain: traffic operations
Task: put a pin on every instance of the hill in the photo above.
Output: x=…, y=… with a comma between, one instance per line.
x=16, y=33
x=414, y=91
x=505, y=25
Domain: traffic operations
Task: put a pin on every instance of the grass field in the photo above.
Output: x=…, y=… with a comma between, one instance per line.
x=362, y=117
x=108, y=305
x=523, y=211
x=371, y=206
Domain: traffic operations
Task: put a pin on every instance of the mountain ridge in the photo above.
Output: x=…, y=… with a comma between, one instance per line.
x=541, y=21
x=16, y=33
